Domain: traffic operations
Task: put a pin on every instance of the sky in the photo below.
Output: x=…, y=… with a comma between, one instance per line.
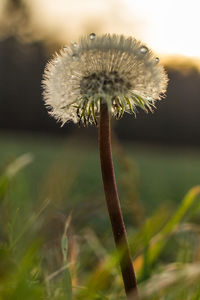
x=173, y=25
x=167, y=26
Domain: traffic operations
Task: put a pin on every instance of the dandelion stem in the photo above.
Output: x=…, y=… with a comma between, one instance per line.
x=113, y=204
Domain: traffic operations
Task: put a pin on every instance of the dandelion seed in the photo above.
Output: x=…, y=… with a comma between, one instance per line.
x=119, y=71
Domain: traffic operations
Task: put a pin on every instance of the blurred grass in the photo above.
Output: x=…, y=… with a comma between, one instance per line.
x=163, y=174
x=55, y=236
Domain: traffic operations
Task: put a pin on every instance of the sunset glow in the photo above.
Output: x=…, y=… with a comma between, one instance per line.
x=168, y=26
x=173, y=25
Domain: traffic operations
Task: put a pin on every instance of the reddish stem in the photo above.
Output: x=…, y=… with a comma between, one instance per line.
x=113, y=204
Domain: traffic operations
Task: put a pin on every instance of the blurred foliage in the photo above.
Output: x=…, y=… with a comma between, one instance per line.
x=15, y=18
x=55, y=238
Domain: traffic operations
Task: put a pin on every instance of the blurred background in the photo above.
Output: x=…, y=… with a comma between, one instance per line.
x=48, y=172
x=31, y=31
x=164, y=145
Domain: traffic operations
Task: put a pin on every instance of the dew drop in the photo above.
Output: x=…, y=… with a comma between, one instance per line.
x=92, y=36
x=75, y=45
x=75, y=57
x=143, y=49
x=73, y=77
x=148, y=98
x=157, y=60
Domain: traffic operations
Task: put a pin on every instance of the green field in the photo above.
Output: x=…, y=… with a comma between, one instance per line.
x=160, y=174
x=62, y=178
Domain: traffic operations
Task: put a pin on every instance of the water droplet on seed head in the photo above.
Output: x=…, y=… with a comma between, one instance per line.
x=92, y=36
x=75, y=57
x=157, y=60
x=143, y=49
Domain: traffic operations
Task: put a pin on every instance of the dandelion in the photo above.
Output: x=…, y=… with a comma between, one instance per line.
x=121, y=72
x=88, y=82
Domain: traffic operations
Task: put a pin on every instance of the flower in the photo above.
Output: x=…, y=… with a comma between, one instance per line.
x=114, y=69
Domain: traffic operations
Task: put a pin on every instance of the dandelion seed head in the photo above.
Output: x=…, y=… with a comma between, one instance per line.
x=120, y=71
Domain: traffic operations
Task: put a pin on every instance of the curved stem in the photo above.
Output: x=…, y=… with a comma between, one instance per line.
x=113, y=204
